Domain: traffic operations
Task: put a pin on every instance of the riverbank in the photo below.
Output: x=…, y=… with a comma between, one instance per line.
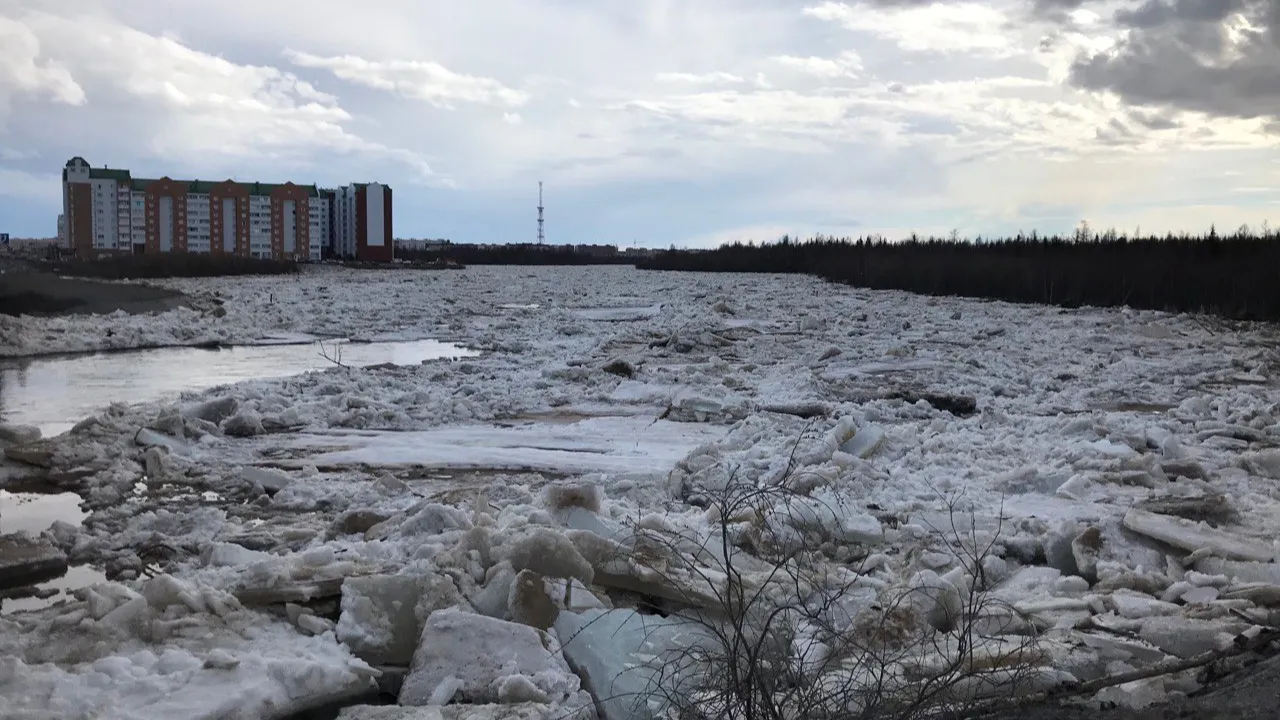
x=45, y=294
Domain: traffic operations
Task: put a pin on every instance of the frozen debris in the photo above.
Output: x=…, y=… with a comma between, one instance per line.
x=576, y=518
x=573, y=596
x=832, y=518
x=1136, y=606
x=1260, y=594
x=39, y=453
x=483, y=654
x=26, y=559
x=148, y=438
x=244, y=424
x=1187, y=638
x=1190, y=469
x=434, y=519
x=620, y=656
x=142, y=659
x=382, y=615
x=268, y=480
x=287, y=592
x=530, y=603
x=1111, y=648
x=1240, y=571
x=1209, y=507
x=1265, y=463
x=1202, y=595
x=1134, y=695
x=864, y=442
x=549, y=553
x=805, y=410
x=621, y=368
x=585, y=495
x=213, y=411
x=494, y=598
x=1192, y=536
x=522, y=711
x=18, y=434
x=690, y=405
x=355, y=522
x=653, y=569
x=961, y=406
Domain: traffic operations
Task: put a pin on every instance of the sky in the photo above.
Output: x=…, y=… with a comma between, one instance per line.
x=666, y=122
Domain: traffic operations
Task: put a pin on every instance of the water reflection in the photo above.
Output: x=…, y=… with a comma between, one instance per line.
x=55, y=393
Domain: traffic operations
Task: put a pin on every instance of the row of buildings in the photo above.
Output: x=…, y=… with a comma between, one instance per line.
x=107, y=211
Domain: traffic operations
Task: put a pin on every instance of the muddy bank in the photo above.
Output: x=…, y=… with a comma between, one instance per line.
x=31, y=293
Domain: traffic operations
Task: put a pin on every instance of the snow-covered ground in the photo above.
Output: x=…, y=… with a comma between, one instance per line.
x=1077, y=441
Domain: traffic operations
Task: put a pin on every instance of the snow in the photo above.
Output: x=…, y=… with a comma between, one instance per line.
x=321, y=499
x=176, y=651
x=613, y=444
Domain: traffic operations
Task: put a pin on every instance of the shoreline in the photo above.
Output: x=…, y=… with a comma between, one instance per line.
x=41, y=294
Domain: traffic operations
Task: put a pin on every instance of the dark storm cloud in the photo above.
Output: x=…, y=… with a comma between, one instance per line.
x=1179, y=55
x=1155, y=13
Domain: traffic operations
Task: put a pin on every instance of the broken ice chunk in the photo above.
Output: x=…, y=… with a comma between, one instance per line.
x=480, y=650
x=864, y=443
x=1191, y=536
x=382, y=615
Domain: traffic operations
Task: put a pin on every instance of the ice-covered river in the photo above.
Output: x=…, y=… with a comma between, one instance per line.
x=55, y=393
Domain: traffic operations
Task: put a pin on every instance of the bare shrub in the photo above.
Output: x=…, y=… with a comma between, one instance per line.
x=778, y=628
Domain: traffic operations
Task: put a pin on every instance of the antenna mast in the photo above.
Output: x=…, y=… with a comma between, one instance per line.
x=541, y=237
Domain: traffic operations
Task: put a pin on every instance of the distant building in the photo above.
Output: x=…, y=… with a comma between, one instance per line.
x=362, y=227
x=603, y=251
x=107, y=211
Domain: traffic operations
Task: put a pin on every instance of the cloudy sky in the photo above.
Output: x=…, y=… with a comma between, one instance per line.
x=659, y=122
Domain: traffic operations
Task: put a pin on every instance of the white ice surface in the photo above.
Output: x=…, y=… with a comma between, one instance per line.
x=1082, y=416
x=607, y=444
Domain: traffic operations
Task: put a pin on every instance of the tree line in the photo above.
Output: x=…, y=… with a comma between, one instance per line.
x=520, y=254
x=1236, y=276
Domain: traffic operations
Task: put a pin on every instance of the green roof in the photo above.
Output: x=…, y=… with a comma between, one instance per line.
x=202, y=187
x=109, y=174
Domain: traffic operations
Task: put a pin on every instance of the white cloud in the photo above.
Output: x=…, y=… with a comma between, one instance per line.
x=847, y=64
x=190, y=105
x=711, y=78
x=940, y=27
x=24, y=70
x=415, y=79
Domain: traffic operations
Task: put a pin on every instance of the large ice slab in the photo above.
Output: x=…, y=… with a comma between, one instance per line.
x=626, y=659
x=605, y=444
x=382, y=615
x=1192, y=536
x=479, y=659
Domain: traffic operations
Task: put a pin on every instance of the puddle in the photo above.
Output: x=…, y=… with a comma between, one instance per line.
x=35, y=512
x=52, y=592
x=54, y=394
x=519, y=306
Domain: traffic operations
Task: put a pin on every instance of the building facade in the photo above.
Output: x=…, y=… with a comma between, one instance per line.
x=107, y=211
x=362, y=222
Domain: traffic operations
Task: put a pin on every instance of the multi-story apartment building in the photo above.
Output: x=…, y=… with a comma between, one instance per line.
x=109, y=211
